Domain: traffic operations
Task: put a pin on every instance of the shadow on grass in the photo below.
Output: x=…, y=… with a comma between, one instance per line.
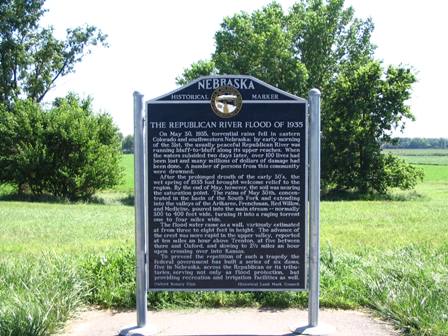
x=128, y=200
x=45, y=198
x=357, y=196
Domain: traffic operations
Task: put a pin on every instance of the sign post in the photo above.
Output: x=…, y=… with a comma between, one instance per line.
x=228, y=198
x=141, y=215
x=313, y=302
x=314, y=327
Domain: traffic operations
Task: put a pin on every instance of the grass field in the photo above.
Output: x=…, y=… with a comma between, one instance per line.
x=387, y=255
x=423, y=156
x=421, y=218
x=127, y=185
x=63, y=228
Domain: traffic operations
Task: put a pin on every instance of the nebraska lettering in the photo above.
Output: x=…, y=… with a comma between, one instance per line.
x=237, y=83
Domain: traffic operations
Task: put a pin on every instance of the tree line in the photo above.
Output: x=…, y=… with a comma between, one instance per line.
x=439, y=143
x=71, y=151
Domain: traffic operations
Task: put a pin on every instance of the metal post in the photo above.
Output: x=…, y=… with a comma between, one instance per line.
x=314, y=197
x=140, y=246
x=314, y=327
x=142, y=327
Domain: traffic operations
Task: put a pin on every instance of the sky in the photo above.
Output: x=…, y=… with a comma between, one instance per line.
x=152, y=42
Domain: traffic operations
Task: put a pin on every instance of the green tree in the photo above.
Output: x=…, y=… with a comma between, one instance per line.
x=67, y=151
x=127, y=144
x=31, y=57
x=320, y=43
x=39, y=148
x=255, y=45
x=200, y=68
x=84, y=150
x=23, y=153
x=365, y=103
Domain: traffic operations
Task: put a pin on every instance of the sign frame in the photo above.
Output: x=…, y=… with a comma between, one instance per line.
x=217, y=81
x=312, y=250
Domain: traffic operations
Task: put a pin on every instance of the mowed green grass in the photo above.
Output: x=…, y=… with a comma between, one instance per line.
x=352, y=226
x=33, y=228
x=418, y=151
x=127, y=183
x=421, y=218
x=422, y=156
x=36, y=227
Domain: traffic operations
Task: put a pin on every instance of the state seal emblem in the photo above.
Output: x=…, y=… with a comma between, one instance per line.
x=226, y=101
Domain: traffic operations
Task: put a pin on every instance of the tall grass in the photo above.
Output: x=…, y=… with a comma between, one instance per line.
x=410, y=288
x=37, y=296
x=407, y=286
x=110, y=278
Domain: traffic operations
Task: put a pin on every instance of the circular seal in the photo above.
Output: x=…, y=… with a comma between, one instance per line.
x=226, y=101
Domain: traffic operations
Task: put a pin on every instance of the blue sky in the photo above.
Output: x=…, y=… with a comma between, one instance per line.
x=151, y=42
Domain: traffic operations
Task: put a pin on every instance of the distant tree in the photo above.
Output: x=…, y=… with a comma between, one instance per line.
x=419, y=143
x=127, y=144
x=320, y=43
x=416, y=143
x=31, y=57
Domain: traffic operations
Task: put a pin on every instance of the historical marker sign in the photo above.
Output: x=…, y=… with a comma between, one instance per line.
x=227, y=187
